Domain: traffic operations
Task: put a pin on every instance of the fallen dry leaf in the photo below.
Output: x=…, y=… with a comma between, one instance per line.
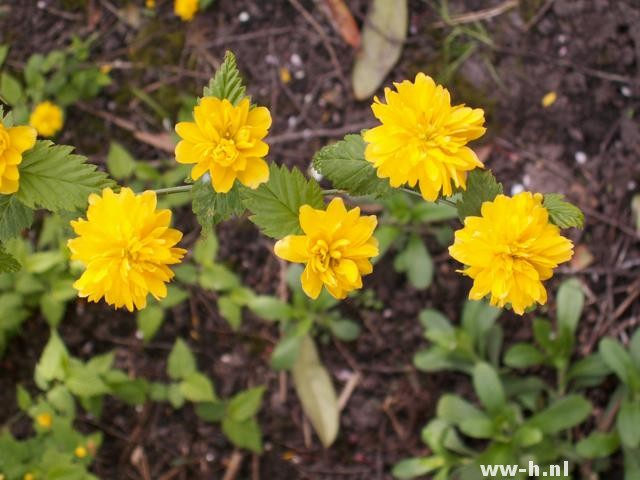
x=582, y=258
x=382, y=38
x=342, y=20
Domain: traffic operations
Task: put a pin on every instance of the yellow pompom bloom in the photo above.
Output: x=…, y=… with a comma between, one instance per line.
x=47, y=118
x=44, y=420
x=126, y=245
x=185, y=9
x=226, y=141
x=510, y=250
x=423, y=138
x=14, y=141
x=336, y=247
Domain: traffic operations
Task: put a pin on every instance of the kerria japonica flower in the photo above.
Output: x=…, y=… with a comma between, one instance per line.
x=226, y=141
x=126, y=246
x=185, y=9
x=423, y=138
x=510, y=250
x=47, y=118
x=336, y=248
x=14, y=141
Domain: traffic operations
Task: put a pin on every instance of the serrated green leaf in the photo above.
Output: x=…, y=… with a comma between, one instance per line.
x=481, y=187
x=149, y=321
x=14, y=217
x=227, y=82
x=344, y=164
x=7, y=262
x=196, y=387
x=275, y=205
x=53, y=178
x=562, y=213
x=211, y=208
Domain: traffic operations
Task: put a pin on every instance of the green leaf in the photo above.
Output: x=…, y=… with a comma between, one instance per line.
x=634, y=347
x=14, y=217
x=211, y=411
x=570, y=302
x=344, y=164
x=488, y=387
x=383, y=35
x=523, y=355
x=210, y=207
x=481, y=187
x=478, y=427
x=245, y=404
x=316, y=393
x=206, y=249
x=181, y=361
x=83, y=382
x=175, y=396
x=230, y=311
x=227, y=82
x=8, y=264
x=270, y=308
x=54, y=360
x=23, y=398
x=416, y=261
x=527, y=436
x=286, y=352
x=275, y=205
x=345, y=330
x=455, y=409
x=562, y=213
x=52, y=309
x=10, y=89
x=196, y=387
x=598, y=445
x=415, y=467
x=563, y=414
x=149, y=321
x=53, y=178
x=4, y=51
x=619, y=360
x=120, y=162
x=437, y=327
x=218, y=278
x=627, y=423
x=245, y=434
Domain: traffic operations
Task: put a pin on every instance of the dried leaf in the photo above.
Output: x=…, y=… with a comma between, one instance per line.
x=382, y=37
x=342, y=20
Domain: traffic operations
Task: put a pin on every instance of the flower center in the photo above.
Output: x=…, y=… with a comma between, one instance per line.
x=5, y=141
x=326, y=256
x=225, y=152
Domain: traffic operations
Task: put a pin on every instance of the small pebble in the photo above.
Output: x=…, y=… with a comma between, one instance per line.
x=562, y=52
x=581, y=158
x=226, y=358
x=296, y=60
x=299, y=74
x=631, y=185
x=243, y=17
x=271, y=59
x=517, y=188
x=625, y=91
x=139, y=335
x=210, y=457
x=292, y=121
x=42, y=4
x=526, y=180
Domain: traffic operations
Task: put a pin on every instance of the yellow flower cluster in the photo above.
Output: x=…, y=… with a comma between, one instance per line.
x=336, y=247
x=510, y=250
x=14, y=141
x=126, y=246
x=226, y=141
x=185, y=9
x=423, y=138
x=47, y=118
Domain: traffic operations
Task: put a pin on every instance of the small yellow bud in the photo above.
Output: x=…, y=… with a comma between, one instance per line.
x=80, y=452
x=105, y=68
x=44, y=420
x=285, y=75
x=150, y=4
x=29, y=476
x=549, y=99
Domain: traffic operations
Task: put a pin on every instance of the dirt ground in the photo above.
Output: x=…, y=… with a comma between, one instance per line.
x=587, y=145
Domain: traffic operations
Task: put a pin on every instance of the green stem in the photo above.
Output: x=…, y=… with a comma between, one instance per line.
x=178, y=189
